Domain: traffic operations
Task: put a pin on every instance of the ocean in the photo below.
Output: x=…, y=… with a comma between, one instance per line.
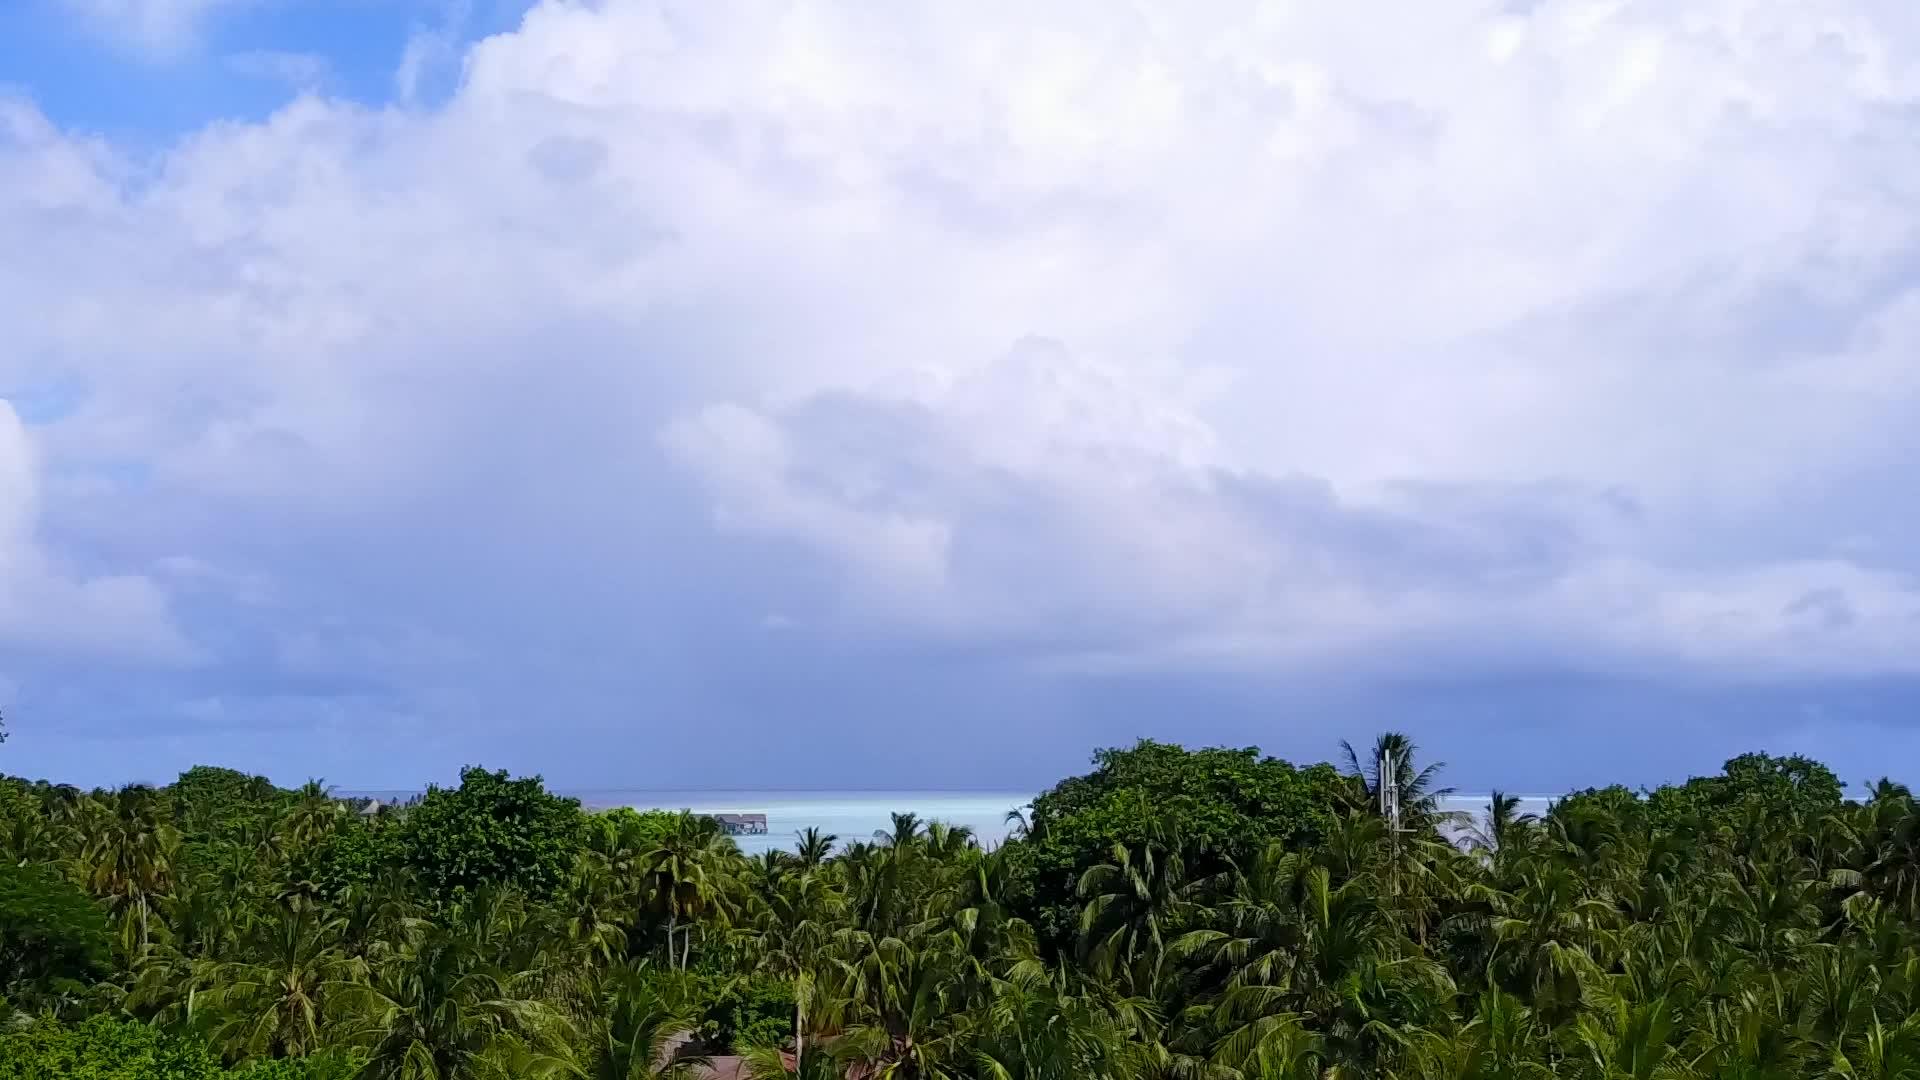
x=858, y=815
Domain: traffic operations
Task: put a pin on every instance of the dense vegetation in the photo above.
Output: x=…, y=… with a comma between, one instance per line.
x=1172, y=914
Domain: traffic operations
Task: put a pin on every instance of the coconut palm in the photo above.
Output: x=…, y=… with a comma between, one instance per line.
x=895, y=1006
x=1629, y=1040
x=794, y=913
x=1883, y=1052
x=314, y=817
x=437, y=1009
x=591, y=903
x=128, y=847
x=1419, y=796
x=637, y=1035
x=1501, y=1041
x=1542, y=929
x=814, y=847
x=1289, y=943
x=1502, y=828
x=1132, y=903
x=272, y=1004
x=1031, y=1030
x=685, y=873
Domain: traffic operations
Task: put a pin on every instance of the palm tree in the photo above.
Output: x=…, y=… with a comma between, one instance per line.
x=1623, y=936
x=1418, y=798
x=314, y=817
x=637, y=1035
x=893, y=1003
x=906, y=829
x=1542, y=928
x=792, y=928
x=1502, y=1041
x=685, y=875
x=1502, y=829
x=1031, y=1030
x=770, y=1063
x=1629, y=1040
x=378, y=917
x=1131, y=904
x=1287, y=945
x=1883, y=1052
x=129, y=848
x=30, y=838
x=590, y=900
x=436, y=1009
x=272, y=1004
x=1276, y=1046
x=814, y=847
x=1019, y=824
x=944, y=843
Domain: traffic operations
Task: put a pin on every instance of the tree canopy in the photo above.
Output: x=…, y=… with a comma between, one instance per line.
x=1174, y=914
x=1216, y=803
x=491, y=830
x=54, y=940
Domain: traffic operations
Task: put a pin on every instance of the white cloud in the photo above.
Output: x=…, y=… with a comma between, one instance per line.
x=1578, y=333
x=432, y=51
x=1058, y=505
x=161, y=28
x=300, y=70
x=45, y=607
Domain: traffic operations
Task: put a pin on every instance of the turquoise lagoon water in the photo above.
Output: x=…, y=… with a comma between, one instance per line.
x=858, y=815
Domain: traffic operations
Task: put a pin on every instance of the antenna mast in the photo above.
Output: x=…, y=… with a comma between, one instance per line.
x=1389, y=792
x=1389, y=784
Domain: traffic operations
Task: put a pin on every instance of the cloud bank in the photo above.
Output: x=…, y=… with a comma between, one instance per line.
x=817, y=376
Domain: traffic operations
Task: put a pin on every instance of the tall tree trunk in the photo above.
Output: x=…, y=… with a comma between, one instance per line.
x=686, y=946
x=799, y=1029
x=672, y=921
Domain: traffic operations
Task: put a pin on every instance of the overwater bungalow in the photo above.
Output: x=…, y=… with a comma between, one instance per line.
x=741, y=824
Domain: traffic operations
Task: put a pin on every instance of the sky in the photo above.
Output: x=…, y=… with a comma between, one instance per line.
x=680, y=393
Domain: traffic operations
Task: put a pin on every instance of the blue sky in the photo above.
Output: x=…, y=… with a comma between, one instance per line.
x=685, y=394
x=147, y=71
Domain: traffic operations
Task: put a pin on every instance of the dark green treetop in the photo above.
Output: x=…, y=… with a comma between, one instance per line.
x=491, y=830
x=1222, y=803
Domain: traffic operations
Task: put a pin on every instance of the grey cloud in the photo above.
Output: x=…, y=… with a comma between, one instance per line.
x=1540, y=352
x=567, y=159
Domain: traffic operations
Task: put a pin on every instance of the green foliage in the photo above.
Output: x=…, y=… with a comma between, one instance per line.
x=1750, y=787
x=24, y=833
x=108, y=1048
x=211, y=803
x=323, y=1066
x=641, y=828
x=491, y=830
x=354, y=854
x=1615, y=801
x=739, y=1012
x=1209, y=913
x=1222, y=803
x=17, y=799
x=54, y=940
x=1596, y=816
x=103, y=1048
